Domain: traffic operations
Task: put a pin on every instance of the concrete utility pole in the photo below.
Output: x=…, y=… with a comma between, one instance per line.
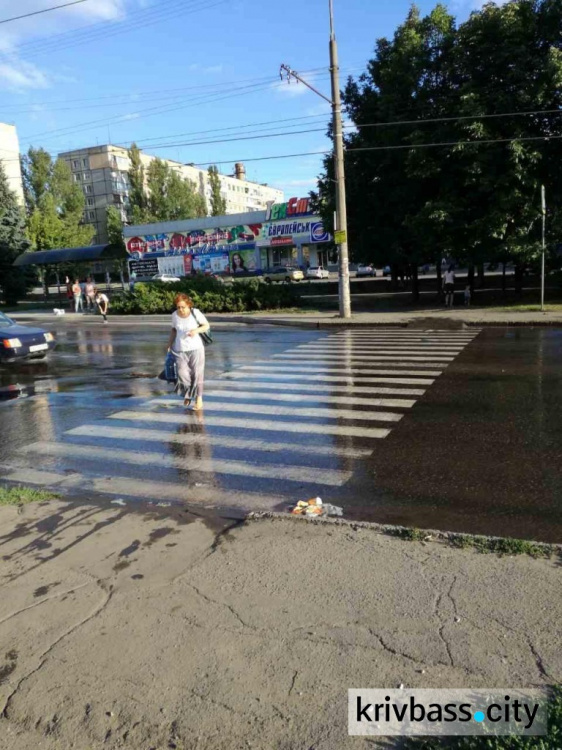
x=543, y=210
x=340, y=226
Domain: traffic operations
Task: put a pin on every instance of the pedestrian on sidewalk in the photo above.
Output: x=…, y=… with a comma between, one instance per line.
x=449, y=286
x=90, y=295
x=186, y=345
x=102, y=301
x=467, y=295
x=77, y=294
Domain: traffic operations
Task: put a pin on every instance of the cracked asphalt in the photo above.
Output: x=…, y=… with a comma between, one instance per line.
x=148, y=627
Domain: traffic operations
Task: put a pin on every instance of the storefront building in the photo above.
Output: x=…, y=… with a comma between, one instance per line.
x=286, y=234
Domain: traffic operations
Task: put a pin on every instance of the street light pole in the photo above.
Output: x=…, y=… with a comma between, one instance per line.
x=339, y=167
x=543, y=209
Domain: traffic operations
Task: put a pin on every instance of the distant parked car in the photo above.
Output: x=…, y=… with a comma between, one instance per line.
x=317, y=272
x=365, y=271
x=386, y=271
x=23, y=342
x=167, y=277
x=283, y=273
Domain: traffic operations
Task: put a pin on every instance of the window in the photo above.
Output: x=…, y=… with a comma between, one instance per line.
x=76, y=178
x=88, y=189
x=85, y=163
x=75, y=164
x=90, y=201
x=87, y=176
x=91, y=215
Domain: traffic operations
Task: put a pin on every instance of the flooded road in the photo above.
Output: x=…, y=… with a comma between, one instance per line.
x=457, y=430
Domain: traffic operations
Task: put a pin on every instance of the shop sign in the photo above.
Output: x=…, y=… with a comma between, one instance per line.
x=211, y=263
x=293, y=208
x=340, y=237
x=298, y=232
x=276, y=241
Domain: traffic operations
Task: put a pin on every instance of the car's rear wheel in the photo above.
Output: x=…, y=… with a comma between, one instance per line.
x=288, y=279
x=267, y=280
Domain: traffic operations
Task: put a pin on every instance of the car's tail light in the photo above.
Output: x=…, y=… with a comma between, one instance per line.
x=12, y=343
x=49, y=337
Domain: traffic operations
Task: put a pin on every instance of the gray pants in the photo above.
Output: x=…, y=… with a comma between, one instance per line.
x=191, y=371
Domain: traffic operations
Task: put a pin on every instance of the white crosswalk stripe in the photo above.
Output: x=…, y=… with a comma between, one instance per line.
x=300, y=418
x=258, y=424
x=191, y=463
x=235, y=443
x=287, y=411
x=281, y=375
x=396, y=403
x=261, y=385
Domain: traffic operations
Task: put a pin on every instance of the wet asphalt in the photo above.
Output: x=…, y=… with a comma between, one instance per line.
x=480, y=451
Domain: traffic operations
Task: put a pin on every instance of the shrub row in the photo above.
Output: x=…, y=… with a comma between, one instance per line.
x=208, y=295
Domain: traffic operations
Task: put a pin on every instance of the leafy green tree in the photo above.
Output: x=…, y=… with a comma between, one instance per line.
x=171, y=197
x=115, y=228
x=54, y=202
x=14, y=281
x=137, y=194
x=218, y=203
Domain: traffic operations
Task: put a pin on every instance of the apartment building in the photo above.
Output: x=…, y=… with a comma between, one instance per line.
x=10, y=158
x=103, y=173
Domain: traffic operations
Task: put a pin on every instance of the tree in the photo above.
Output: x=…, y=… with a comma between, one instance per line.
x=115, y=228
x=54, y=203
x=171, y=197
x=218, y=203
x=137, y=194
x=13, y=280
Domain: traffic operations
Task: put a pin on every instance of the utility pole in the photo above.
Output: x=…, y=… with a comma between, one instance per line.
x=543, y=210
x=339, y=167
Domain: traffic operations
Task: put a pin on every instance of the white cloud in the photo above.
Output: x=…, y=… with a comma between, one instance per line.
x=292, y=89
x=467, y=6
x=15, y=71
x=18, y=75
x=206, y=70
x=131, y=116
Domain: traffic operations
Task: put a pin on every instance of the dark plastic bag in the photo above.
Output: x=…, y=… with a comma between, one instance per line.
x=170, y=371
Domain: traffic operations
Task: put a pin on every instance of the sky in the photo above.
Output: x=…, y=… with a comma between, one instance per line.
x=192, y=80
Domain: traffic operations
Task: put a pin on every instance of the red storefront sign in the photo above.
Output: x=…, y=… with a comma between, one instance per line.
x=281, y=241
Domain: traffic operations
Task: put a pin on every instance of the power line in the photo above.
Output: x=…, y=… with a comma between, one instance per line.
x=99, y=31
x=45, y=10
x=268, y=158
x=456, y=118
x=456, y=143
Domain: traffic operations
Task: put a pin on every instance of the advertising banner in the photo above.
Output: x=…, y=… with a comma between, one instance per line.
x=211, y=263
x=147, y=267
x=242, y=260
x=178, y=243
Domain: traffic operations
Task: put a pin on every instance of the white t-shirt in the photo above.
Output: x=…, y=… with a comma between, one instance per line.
x=449, y=277
x=183, y=342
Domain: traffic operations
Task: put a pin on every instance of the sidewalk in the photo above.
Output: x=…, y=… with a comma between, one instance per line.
x=132, y=627
x=426, y=318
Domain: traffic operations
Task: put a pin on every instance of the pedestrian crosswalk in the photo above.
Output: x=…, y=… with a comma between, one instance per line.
x=274, y=431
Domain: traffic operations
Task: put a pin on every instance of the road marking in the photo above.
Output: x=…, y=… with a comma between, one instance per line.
x=374, y=348
x=194, y=438
x=304, y=367
x=299, y=398
x=330, y=477
x=256, y=424
x=364, y=358
x=345, y=377
x=263, y=385
x=286, y=411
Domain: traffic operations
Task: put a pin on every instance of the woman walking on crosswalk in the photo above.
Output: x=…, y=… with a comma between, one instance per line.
x=186, y=345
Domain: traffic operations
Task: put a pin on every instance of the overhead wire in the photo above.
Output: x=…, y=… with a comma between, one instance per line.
x=116, y=27
x=44, y=10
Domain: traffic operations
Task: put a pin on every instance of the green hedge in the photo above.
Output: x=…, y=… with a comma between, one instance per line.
x=208, y=295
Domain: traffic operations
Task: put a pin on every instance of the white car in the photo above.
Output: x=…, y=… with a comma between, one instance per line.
x=165, y=277
x=317, y=272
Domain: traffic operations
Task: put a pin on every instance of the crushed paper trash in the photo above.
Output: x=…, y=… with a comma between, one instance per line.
x=315, y=507
x=119, y=501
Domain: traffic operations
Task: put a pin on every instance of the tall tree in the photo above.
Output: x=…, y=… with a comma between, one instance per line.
x=115, y=228
x=13, y=281
x=171, y=197
x=54, y=202
x=218, y=203
x=137, y=193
